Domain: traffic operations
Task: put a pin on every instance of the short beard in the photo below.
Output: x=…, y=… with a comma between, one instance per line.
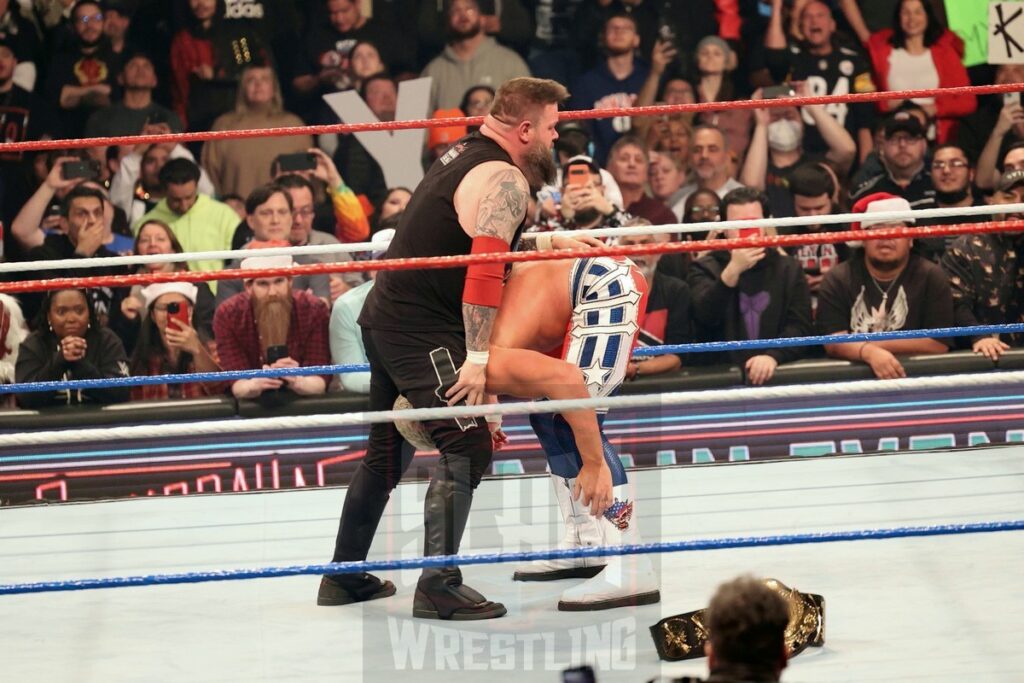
x=455, y=36
x=89, y=45
x=647, y=268
x=539, y=167
x=886, y=266
x=586, y=216
x=273, y=318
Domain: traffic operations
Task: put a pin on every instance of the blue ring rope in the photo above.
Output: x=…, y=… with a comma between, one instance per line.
x=496, y=558
x=785, y=342
x=703, y=347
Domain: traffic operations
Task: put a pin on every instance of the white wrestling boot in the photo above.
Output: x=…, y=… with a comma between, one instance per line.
x=581, y=530
x=627, y=580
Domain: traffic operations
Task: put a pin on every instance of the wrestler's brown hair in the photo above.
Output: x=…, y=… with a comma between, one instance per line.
x=519, y=99
x=747, y=624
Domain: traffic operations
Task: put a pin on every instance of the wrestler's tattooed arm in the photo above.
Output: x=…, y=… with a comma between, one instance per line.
x=502, y=208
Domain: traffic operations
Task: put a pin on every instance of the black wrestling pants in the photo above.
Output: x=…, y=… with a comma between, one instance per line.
x=400, y=364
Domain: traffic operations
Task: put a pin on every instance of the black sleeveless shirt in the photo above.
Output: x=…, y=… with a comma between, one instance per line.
x=421, y=299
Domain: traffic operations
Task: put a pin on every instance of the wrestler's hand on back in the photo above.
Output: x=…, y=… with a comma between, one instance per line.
x=501, y=209
x=594, y=487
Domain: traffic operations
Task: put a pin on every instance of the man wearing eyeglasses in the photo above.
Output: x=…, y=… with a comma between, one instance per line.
x=953, y=177
x=82, y=76
x=269, y=210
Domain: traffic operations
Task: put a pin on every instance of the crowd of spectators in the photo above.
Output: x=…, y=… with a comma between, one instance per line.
x=73, y=68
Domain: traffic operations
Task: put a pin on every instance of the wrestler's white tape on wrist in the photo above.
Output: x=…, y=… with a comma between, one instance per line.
x=543, y=241
x=477, y=357
x=493, y=419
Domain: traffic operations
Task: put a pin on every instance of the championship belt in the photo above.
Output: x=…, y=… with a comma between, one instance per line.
x=683, y=636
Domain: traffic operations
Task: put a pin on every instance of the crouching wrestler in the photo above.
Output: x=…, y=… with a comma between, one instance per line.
x=565, y=330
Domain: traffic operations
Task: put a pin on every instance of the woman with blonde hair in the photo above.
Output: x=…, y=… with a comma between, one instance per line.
x=239, y=166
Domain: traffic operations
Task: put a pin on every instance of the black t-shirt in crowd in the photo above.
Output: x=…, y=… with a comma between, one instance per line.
x=842, y=72
x=850, y=300
x=667, y=318
x=818, y=259
x=920, y=192
x=77, y=69
x=325, y=47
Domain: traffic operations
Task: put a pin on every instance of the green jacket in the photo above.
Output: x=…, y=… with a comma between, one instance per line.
x=208, y=226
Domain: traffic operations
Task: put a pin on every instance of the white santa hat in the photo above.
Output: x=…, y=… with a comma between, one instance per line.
x=260, y=262
x=877, y=203
x=153, y=292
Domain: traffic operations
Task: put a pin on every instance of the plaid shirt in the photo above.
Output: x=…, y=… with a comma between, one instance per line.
x=238, y=343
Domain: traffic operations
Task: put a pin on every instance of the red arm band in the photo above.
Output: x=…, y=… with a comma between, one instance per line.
x=484, y=281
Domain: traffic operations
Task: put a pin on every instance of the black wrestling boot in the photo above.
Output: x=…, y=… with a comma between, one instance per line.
x=440, y=593
x=364, y=505
x=345, y=589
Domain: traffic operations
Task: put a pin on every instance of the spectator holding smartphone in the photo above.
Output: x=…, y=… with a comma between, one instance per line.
x=41, y=213
x=156, y=237
x=270, y=313
x=169, y=344
x=583, y=201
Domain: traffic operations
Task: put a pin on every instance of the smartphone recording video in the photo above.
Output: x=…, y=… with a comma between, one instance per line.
x=302, y=161
x=178, y=313
x=578, y=175
x=70, y=170
x=774, y=92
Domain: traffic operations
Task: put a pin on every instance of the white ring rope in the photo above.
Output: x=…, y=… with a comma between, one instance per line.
x=751, y=394
x=800, y=221
x=320, y=249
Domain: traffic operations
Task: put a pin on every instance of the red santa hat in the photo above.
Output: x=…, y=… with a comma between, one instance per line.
x=877, y=203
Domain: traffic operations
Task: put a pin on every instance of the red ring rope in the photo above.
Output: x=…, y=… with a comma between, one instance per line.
x=654, y=110
x=509, y=257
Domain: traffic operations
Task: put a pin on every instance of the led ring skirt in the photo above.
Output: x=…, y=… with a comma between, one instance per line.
x=917, y=552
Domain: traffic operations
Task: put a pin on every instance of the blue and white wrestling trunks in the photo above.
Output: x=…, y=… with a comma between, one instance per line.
x=608, y=297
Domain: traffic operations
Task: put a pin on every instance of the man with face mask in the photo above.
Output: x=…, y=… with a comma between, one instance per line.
x=827, y=67
x=777, y=148
x=953, y=178
x=986, y=274
x=82, y=77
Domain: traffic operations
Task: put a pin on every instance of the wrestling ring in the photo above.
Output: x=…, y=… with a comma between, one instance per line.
x=914, y=542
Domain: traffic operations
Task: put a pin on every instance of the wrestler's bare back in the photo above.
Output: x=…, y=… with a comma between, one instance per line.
x=535, y=308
